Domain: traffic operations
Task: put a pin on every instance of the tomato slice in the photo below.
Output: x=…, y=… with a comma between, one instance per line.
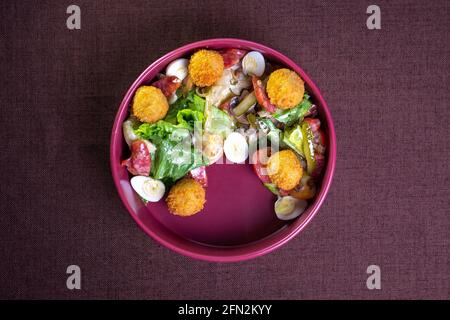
x=140, y=161
x=168, y=85
x=259, y=161
x=261, y=95
x=323, y=140
x=199, y=175
x=232, y=56
x=314, y=123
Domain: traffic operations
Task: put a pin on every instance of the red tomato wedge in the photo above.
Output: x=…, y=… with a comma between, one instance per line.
x=232, y=56
x=168, y=85
x=323, y=140
x=259, y=161
x=139, y=163
x=199, y=175
x=314, y=124
x=261, y=95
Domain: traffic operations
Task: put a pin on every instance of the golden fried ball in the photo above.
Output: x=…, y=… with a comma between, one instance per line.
x=284, y=169
x=149, y=104
x=186, y=198
x=205, y=67
x=285, y=88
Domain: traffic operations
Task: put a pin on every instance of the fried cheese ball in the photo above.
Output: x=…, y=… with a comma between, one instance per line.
x=149, y=104
x=186, y=198
x=284, y=169
x=285, y=88
x=205, y=67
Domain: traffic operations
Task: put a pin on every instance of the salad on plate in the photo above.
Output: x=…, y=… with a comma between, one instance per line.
x=221, y=107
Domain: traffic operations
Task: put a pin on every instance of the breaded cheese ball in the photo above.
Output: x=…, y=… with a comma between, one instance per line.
x=285, y=88
x=149, y=104
x=205, y=67
x=284, y=169
x=186, y=198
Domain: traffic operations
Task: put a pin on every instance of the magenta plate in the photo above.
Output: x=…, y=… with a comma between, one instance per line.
x=238, y=221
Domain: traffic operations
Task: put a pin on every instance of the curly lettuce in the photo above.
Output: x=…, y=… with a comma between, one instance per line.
x=190, y=119
x=191, y=102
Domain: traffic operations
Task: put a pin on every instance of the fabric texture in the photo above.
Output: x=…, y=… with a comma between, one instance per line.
x=388, y=92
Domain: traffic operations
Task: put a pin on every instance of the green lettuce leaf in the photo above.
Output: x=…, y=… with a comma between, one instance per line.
x=192, y=101
x=188, y=118
x=219, y=122
x=153, y=131
x=175, y=153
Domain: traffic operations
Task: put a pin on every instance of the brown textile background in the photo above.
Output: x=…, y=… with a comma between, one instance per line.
x=388, y=91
